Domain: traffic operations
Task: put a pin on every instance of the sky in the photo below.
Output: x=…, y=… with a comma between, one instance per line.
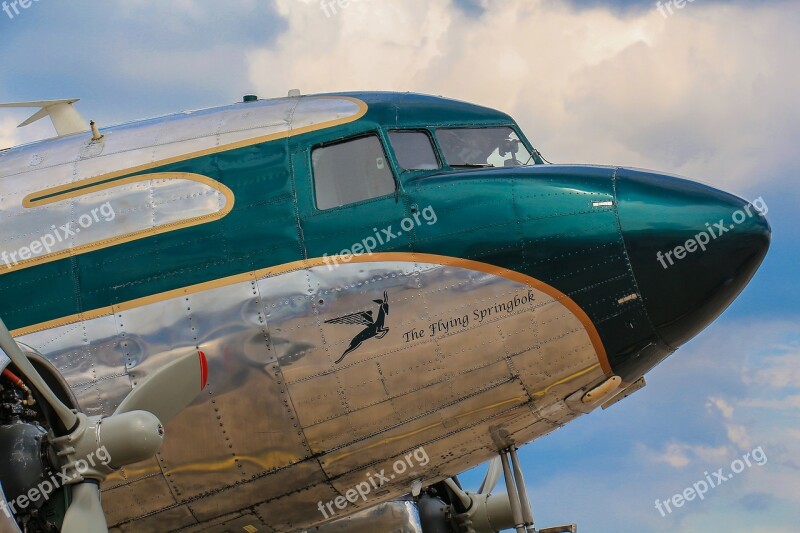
x=707, y=91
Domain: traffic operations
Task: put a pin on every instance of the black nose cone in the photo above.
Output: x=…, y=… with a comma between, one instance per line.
x=692, y=248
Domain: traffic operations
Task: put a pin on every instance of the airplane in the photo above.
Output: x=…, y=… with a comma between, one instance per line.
x=179, y=300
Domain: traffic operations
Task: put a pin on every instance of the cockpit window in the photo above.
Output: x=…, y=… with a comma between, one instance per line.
x=414, y=150
x=483, y=147
x=351, y=171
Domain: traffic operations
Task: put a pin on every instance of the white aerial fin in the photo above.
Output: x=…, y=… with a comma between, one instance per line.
x=65, y=117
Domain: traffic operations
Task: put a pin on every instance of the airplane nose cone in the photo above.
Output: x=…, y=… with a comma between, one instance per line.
x=692, y=248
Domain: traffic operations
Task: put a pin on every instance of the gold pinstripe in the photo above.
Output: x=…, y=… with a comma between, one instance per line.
x=135, y=235
x=524, y=279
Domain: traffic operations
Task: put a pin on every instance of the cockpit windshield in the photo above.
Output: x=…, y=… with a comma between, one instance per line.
x=483, y=147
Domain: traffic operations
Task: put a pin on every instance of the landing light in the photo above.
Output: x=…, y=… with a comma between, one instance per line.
x=603, y=390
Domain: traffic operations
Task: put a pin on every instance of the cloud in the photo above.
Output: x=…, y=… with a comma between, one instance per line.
x=704, y=93
x=141, y=58
x=11, y=135
x=675, y=456
x=722, y=406
x=791, y=402
x=737, y=433
x=782, y=372
x=8, y=135
x=681, y=455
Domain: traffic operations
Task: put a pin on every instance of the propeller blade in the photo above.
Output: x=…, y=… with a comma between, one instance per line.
x=23, y=364
x=85, y=513
x=132, y=434
x=171, y=389
x=493, y=473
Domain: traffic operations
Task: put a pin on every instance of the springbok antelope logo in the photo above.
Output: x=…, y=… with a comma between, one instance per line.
x=374, y=326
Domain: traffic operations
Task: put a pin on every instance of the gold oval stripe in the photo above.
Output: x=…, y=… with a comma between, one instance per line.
x=403, y=257
x=134, y=235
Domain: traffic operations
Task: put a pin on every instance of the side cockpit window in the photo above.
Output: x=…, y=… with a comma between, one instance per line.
x=351, y=171
x=414, y=150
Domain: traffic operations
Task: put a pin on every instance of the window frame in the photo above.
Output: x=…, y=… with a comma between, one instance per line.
x=434, y=146
x=344, y=140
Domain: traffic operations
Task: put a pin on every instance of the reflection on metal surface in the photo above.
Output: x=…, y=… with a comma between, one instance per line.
x=480, y=271
x=389, y=517
x=281, y=426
